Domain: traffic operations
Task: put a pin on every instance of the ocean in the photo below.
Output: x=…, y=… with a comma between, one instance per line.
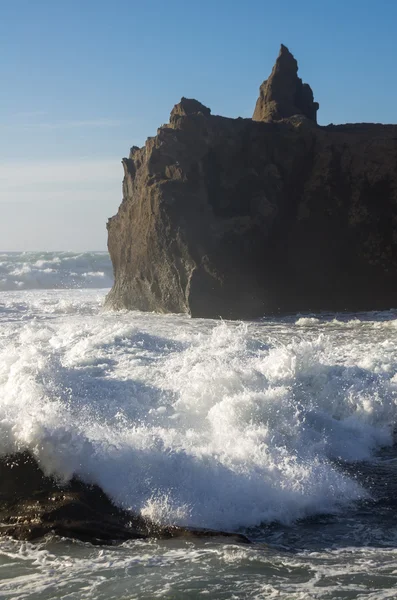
x=280, y=428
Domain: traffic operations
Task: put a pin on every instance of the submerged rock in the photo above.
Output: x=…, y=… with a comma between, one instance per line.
x=242, y=217
x=33, y=505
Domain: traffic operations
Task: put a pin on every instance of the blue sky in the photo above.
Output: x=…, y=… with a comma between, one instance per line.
x=82, y=81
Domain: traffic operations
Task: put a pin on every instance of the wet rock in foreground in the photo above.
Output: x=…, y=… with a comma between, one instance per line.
x=33, y=505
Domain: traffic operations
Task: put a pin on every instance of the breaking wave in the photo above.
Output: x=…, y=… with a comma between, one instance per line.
x=197, y=422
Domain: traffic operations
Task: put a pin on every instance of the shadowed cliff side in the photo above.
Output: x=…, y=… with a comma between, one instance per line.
x=238, y=217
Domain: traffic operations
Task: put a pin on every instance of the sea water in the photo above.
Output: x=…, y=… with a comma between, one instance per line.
x=281, y=429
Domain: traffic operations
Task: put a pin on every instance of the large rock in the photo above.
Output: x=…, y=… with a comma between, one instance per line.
x=239, y=218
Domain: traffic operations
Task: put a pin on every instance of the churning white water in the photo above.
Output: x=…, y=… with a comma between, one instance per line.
x=253, y=427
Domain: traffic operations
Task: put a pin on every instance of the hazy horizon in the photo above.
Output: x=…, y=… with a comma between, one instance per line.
x=82, y=83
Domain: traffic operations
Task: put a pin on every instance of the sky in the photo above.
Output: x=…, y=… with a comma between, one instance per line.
x=82, y=81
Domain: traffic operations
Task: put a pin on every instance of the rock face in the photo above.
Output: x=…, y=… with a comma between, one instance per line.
x=283, y=94
x=244, y=217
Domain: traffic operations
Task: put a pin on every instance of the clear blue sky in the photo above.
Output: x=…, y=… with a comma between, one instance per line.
x=83, y=80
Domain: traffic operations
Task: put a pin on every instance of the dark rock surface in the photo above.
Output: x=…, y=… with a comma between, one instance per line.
x=239, y=218
x=33, y=505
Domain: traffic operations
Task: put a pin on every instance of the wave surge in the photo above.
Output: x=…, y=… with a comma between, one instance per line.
x=199, y=423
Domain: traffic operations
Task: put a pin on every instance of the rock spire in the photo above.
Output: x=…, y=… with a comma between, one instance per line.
x=283, y=94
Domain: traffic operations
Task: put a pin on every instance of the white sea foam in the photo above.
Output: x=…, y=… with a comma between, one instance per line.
x=195, y=422
x=142, y=570
x=54, y=270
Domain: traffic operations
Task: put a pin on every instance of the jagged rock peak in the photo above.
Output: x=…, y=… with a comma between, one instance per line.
x=283, y=94
x=189, y=106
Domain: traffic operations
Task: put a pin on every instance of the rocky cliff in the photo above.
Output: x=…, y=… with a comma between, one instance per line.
x=244, y=217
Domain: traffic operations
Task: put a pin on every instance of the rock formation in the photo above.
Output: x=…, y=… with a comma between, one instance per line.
x=244, y=217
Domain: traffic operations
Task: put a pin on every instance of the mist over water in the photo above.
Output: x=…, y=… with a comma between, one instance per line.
x=237, y=426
